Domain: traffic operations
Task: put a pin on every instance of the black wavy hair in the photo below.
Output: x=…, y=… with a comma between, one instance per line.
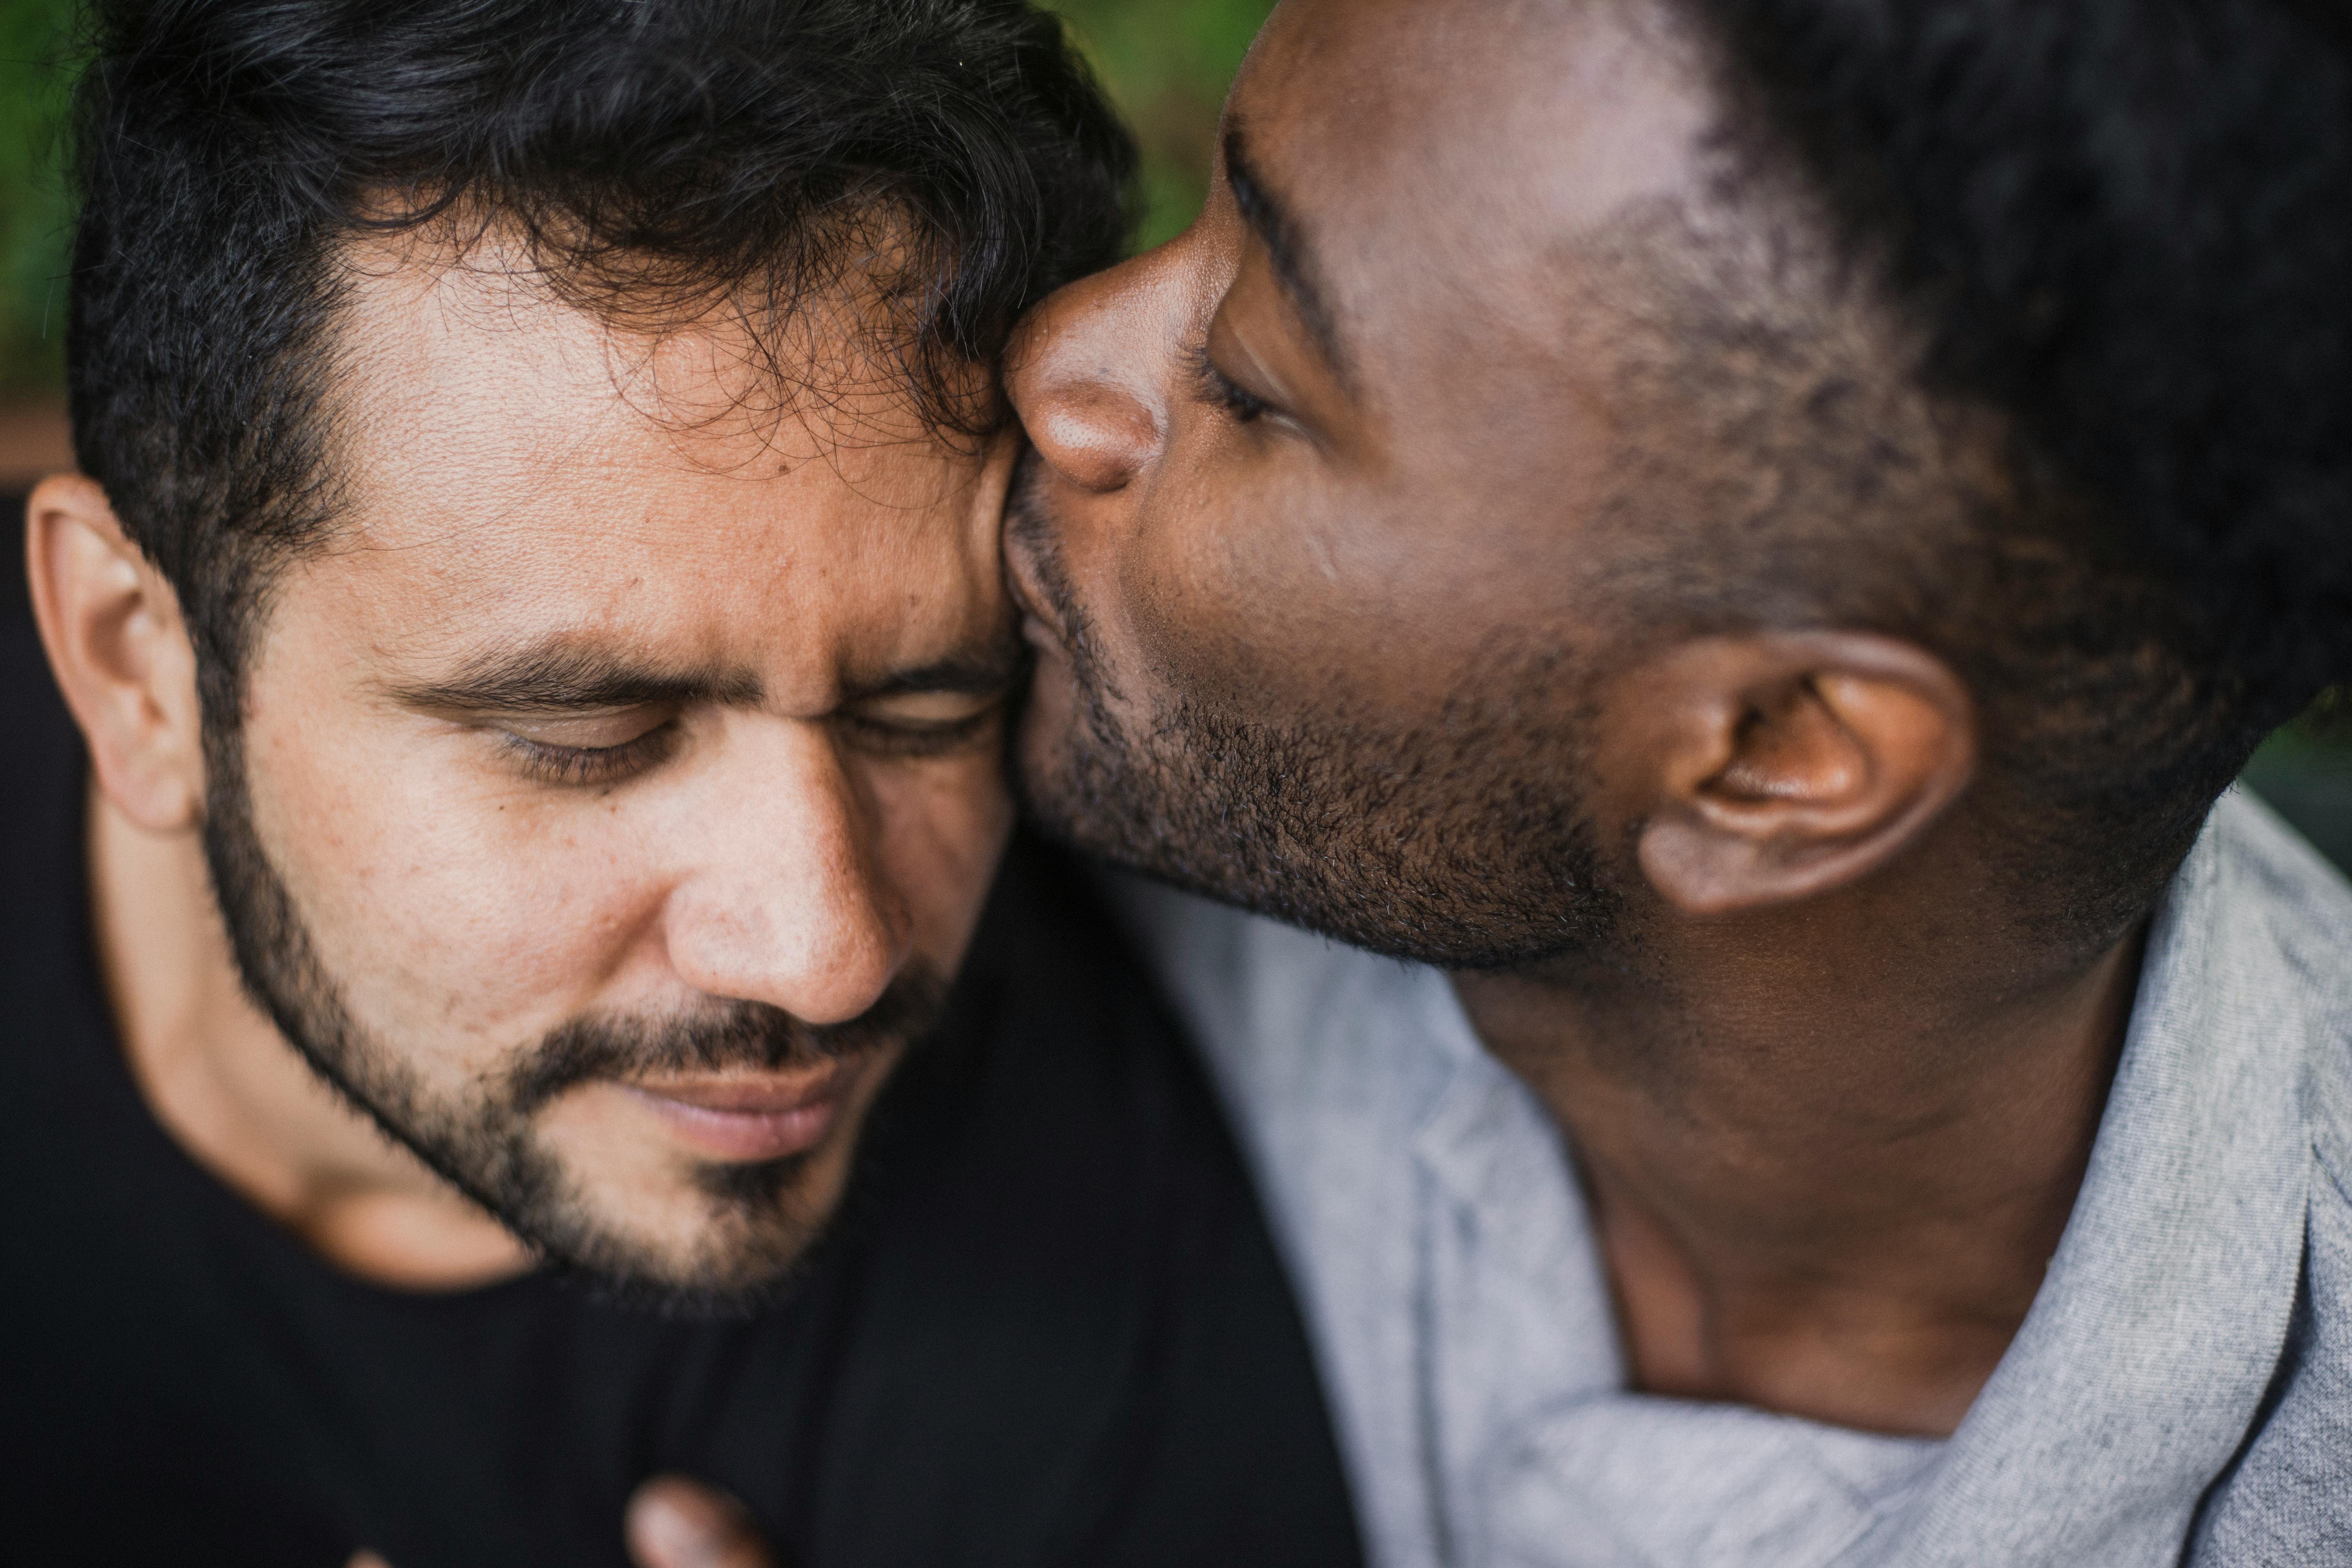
x=656, y=155
x=2126, y=226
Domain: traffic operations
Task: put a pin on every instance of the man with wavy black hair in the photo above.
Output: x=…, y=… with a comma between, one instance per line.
x=531, y=616
x=1747, y=539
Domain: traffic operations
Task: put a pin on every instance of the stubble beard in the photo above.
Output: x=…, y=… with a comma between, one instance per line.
x=761, y=1228
x=1458, y=839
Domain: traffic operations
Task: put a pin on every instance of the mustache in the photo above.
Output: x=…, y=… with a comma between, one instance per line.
x=735, y=1036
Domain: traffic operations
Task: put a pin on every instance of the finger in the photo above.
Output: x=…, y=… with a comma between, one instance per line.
x=365, y=1559
x=674, y=1522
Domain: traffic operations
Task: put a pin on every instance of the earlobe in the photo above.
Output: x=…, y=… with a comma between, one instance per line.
x=113, y=630
x=1793, y=763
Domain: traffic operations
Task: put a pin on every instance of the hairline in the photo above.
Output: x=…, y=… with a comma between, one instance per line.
x=321, y=369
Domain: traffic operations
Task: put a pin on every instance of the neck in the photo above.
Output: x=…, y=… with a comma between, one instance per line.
x=1822, y=1186
x=231, y=1090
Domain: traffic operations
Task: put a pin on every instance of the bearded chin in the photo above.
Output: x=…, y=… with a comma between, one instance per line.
x=759, y=1231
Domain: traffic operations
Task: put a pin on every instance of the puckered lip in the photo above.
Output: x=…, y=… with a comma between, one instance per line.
x=1039, y=626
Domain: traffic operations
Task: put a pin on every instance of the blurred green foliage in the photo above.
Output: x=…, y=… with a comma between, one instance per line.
x=2304, y=772
x=1166, y=61
x=33, y=74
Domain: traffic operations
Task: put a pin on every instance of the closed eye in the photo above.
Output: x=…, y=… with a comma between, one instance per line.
x=1218, y=390
x=588, y=766
x=590, y=751
x=898, y=736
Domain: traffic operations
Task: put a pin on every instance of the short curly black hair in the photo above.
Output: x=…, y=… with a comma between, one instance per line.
x=2125, y=228
x=655, y=155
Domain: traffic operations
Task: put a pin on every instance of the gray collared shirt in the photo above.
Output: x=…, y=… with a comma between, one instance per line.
x=2181, y=1390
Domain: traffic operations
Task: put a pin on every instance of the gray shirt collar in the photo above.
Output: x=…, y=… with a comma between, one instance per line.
x=1449, y=1273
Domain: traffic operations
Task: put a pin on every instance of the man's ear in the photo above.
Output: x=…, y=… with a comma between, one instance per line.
x=112, y=628
x=1780, y=765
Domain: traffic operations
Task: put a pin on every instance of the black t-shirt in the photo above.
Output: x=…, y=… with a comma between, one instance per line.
x=1050, y=1329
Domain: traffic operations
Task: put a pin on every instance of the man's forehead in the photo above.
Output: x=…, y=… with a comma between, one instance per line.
x=469, y=388
x=514, y=470
x=431, y=334
x=1420, y=145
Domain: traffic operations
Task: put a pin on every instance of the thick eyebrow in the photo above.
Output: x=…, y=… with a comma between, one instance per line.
x=964, y=675
x=1293, y=261
x=565, y=676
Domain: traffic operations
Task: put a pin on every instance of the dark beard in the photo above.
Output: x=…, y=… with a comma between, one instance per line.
x=1461, y=841
x=486, y=1145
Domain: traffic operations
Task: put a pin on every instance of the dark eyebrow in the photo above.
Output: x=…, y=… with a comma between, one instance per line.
x=965, y=675
x=564, y=676
x=1294, y=263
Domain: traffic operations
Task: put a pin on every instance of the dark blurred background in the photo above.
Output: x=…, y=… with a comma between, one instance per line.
x=1166, y=61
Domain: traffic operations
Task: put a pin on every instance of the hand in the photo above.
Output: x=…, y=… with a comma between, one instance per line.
x=674, y=1522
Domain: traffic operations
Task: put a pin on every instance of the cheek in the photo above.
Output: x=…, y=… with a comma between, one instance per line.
x=1265, y=583
x=1233, y=587
x=941, y=828
x=448, y=912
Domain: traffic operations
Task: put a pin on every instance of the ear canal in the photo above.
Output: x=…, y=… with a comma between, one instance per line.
x=1797, y=752
x=1829, y=754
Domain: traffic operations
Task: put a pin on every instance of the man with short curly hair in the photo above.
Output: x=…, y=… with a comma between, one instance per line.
x=1745, y=541
x=507, y=994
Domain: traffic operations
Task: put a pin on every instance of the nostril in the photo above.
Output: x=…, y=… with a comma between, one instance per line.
x=1097, y=437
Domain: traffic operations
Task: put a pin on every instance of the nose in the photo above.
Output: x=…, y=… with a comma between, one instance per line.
x=1087, y=372
x=788, y=904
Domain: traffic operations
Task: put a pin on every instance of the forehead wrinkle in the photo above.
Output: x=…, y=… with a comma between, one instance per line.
x=425, y=337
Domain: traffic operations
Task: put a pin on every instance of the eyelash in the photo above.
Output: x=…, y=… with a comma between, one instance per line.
x=588, y=767
x=583, y=767
x=880, y=739
x=1217, y=389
